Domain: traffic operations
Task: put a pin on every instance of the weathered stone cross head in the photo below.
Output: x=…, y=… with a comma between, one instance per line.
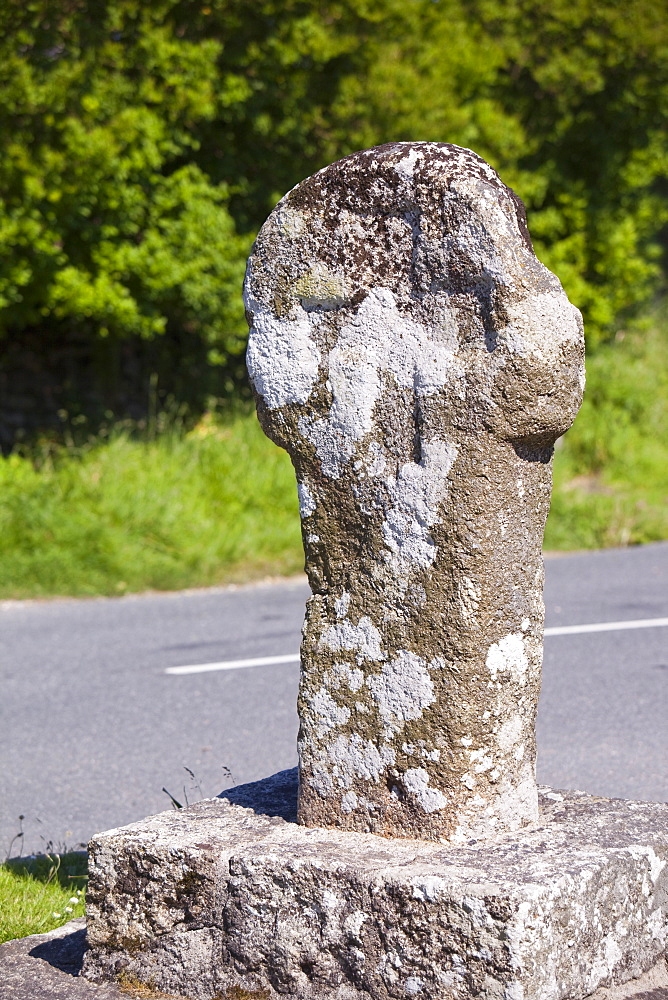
x=417, y=361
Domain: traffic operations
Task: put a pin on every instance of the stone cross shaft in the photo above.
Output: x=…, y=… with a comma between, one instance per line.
x=417, y=362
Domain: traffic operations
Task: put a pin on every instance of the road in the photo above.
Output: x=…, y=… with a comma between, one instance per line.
x=92, y=726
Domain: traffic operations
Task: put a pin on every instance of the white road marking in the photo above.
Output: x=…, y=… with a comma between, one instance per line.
x=607, y=626
x=260, y=661
x=267, y=661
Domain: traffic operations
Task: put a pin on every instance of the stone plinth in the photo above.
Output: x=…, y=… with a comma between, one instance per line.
x=231, y=895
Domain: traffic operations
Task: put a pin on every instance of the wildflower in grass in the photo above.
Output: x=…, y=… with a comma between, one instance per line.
x=73, y=899
x=57, y=914
x=68, y=909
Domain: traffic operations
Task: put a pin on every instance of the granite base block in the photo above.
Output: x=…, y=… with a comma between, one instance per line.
x=231, y=895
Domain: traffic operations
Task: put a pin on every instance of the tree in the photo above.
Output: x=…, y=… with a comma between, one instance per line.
x=106, y=223
x=566, y=99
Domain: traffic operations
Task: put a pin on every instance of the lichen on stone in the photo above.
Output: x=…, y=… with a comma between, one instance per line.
x=418, y=362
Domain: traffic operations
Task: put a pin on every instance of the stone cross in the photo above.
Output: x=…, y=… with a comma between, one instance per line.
x=417, y=361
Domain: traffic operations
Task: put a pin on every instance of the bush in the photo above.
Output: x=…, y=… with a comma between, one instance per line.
x=106, y=224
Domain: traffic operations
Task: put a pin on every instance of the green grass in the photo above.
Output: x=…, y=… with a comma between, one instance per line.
x=41, y=893
x=611, y=468
x=216, y=505
x=219, y=504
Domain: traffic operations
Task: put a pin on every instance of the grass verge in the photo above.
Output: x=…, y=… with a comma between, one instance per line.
x=218, y=504
x=40, y=893
x=611, y=468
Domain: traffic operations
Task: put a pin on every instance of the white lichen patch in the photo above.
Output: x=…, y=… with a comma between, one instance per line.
x=348, y=802
x=416, y=782
x=420, y=358
x=508, y=656
x=289, y=222
x=469, y=596
x=540, y=325
x=429, y=888
x=415, y=497
x=341, y=605
x=354, y=381
x=509, y=734
x=406, y=165
x=481, y=761
x=421, y=749
x=327, y=715
x=363, y=638
x=307, y=504
x=350, y=758
x=343, y=673
x=402, y=690
x=373, y=463
x=321, y=780
x=378, y=340
x=282, y=359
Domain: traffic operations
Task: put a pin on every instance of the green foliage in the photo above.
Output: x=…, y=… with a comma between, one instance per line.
x=589, y=82
x=133, y=129
x=40, y=893
x=567, y=99
x=104, y=222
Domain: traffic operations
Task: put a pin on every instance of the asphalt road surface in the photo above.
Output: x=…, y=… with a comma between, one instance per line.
x=93, y=725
